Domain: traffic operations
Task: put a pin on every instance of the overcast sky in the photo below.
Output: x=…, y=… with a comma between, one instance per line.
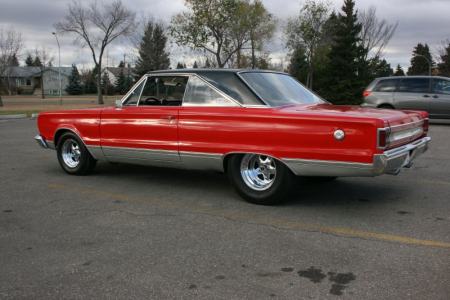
x=425, y=21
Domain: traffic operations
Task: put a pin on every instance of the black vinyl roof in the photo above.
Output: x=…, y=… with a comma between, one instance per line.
x=200, y=71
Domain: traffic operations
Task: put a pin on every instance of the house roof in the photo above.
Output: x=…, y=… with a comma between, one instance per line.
x=26, y=72
x=116, y=70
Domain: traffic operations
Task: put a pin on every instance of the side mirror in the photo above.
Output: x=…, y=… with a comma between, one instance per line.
x=118, y=103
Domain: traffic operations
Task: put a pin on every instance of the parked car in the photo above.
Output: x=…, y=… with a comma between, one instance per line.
x=262, y=128
x=428, y=93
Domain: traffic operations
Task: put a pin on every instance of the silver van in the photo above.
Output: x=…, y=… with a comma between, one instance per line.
x=429, y=93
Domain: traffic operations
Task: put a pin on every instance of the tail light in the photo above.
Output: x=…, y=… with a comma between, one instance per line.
x=426, y=126
x=367, y=93
x=383, y=138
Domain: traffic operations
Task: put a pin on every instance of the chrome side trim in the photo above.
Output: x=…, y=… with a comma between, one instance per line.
x=114, y=153
x=389, y=162
x=310, y=167
x=96, y=152
x=202, y=161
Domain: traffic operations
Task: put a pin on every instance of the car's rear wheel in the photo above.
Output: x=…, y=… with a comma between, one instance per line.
x=73, y=155
x=386, y=106
x=260, y=179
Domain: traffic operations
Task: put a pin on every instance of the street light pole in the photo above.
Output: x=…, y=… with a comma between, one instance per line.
x=59, y=68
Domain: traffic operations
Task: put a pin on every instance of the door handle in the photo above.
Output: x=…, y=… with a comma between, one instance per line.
x=435, y=96
x=426, y=96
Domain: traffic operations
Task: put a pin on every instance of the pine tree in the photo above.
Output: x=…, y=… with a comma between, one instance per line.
x=180, y=66
x=13, y=61
x=29, y=61
x=89, y=83
x=121, y=64
x=421, y=60
x=74, y=87
x=399, y=71
x=123, y=83
x=207, y=64
x=298, y=66
x=444, y=65
x=152, y=50
x=195, y=66
x=344, y=85
x=108, y=88
x=37, y=62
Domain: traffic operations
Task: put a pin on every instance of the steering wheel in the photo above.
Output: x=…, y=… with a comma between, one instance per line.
x=152, y=101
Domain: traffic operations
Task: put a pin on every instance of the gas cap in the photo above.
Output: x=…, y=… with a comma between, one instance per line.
x=339, y=134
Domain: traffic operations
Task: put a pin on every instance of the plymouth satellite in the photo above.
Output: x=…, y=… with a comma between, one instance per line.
x=262, y=128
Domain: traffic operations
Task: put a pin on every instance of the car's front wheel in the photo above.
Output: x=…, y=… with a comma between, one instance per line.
x=260, y=179
x=73, y=155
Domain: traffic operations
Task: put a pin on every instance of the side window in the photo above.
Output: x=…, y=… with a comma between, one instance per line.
x=441, y=86
x=133, y=98
x=164, y=90
x=414, y=85
x=386, y=85
x=199, y=93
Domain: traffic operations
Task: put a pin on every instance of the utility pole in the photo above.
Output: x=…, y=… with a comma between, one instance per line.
x=59, y=68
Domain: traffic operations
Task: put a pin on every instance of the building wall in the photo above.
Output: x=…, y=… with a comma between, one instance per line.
x=51, y=83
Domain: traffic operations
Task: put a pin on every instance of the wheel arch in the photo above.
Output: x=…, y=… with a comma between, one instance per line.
x=62, y=130
x=386, y=105
x=227, y=156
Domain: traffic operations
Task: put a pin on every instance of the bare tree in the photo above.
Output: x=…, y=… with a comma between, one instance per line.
x=45, y=61
x=96, y=27
x=10, y=45
x=375, y=33
x=307, y=30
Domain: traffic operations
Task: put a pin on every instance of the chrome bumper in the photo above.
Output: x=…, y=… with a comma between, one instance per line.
x=43, y=143
x=390, y=162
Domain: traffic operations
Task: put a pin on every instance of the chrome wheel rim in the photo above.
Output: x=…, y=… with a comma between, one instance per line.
x=71, y=153
x=258, y=171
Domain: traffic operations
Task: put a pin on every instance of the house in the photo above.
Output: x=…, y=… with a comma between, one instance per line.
x=114, y=73
x=28, y=80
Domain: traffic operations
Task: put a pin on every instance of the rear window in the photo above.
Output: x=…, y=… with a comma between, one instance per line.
x=386, y=85
x=441, y=86
x=414, y=85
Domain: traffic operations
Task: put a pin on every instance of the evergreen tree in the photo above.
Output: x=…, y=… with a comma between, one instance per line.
x=152, y=50
x=29, y=61
x=195, y=66
x=107, y=87
x=121, y=64
x=421, y=60
x=13, y=61
x=298, y=66
x=181, y=66
x=37, y=62
x=123, y=83
x=74, y=87
x=89, y=83
x=207, y=64
x=399, y=71
x=444, y=65
x=344, y=83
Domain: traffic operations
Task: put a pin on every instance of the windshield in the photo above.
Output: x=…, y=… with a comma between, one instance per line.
x=278, y=89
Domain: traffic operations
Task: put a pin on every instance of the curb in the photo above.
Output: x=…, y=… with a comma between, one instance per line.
x=10, y=117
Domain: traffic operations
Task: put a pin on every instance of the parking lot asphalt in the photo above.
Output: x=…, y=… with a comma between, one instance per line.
x=152, y=233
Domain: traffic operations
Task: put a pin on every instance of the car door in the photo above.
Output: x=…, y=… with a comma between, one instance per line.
x=145, y=127
x=206, y=125
x=440, y=99
x=413, y=93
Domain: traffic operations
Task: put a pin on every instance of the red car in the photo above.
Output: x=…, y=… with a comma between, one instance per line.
x=262, y=128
